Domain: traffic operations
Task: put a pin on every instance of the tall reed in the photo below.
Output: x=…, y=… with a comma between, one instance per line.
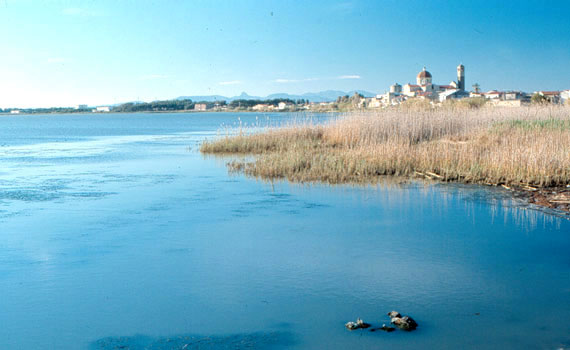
x=527, y=145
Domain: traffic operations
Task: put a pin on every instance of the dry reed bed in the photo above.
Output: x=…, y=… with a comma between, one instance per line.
x=511, y=146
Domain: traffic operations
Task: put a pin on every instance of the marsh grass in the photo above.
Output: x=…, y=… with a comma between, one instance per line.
x=487, y=145
x=551, y=123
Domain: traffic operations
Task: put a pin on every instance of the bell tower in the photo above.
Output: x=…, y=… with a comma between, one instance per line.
x=461, y=77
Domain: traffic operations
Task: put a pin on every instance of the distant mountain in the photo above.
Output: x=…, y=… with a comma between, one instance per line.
x=322, y=96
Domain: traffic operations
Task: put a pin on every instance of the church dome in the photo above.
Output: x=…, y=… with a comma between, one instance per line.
x=424, y=74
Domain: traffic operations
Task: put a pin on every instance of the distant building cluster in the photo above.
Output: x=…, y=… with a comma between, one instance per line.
x=98, y=109
x=102, y=109
x=281, y=106
x=424, y=88
x=200, y=107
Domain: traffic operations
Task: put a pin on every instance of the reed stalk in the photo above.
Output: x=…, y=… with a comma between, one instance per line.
x=511, y=146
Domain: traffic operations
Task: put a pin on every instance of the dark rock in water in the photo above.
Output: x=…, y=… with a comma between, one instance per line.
x=362, y=324
x=358, y=324
x=393, y=314
x=351, y=325
x=383, y=328
x=405, y=323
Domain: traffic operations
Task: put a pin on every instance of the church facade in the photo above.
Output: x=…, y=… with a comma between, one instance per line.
x=425, y=87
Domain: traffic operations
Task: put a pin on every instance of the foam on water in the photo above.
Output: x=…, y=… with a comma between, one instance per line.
x=90, y=147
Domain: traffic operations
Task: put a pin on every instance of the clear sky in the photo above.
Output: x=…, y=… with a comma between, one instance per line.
x=63, y=53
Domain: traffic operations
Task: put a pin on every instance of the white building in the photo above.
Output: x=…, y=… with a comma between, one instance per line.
x=552, y=96
x=425, y=88
x=263, y=107
x=565, y=96
x=505, y=98
x=260, y=107
x=103, y=109
x=374, y=102
x=493, y=95
x=391, y=98
x=512, y=95
x=448, y=95
x=282, y=106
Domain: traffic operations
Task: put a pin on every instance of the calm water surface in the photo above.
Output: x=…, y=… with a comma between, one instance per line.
x=115, y=232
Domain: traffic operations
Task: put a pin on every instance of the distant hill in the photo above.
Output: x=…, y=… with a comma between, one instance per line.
x=322, y=96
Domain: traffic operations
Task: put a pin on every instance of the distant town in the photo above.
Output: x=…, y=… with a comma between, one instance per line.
x=435, y=94
x=423, y=91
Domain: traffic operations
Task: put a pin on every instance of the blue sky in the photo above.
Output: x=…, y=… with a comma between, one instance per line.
x=63, y=53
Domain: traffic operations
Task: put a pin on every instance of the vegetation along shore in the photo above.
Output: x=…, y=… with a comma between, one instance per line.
x=526, y=149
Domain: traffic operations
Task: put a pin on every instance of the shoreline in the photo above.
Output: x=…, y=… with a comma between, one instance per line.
x=556, y=198
x=165, y=112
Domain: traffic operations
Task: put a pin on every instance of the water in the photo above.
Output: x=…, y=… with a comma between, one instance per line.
x=115, y=232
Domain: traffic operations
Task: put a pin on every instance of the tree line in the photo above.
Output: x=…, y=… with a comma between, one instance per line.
x=168, y=105
x=44, y=110
x=188, y=104
x=272, y=102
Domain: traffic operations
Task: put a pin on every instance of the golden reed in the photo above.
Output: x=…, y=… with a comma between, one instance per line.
x=510, y=146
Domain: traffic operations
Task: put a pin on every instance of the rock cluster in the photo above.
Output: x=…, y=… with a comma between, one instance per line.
x=356, y=325
x=386, y=328
x=405, y=323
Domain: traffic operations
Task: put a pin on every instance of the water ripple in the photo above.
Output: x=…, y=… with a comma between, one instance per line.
x=259, y=340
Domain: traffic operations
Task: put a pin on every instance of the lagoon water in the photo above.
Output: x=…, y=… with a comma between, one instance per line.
x=116, y=233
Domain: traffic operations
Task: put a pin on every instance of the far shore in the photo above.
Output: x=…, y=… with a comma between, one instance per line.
x=166, y=112
x=343, y=104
